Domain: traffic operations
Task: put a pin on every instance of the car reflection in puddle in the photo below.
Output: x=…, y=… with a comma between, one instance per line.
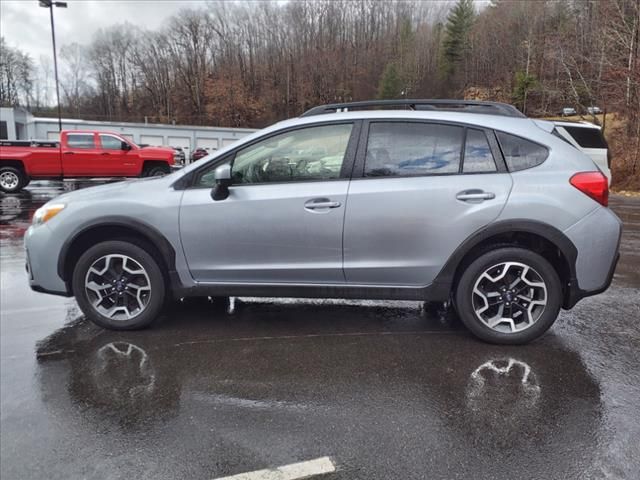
x=340, y=371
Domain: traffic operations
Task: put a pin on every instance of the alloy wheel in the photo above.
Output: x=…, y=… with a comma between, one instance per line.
x=509, y=297
x=118, y=287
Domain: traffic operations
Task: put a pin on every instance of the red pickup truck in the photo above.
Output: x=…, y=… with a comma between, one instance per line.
x=78, y=154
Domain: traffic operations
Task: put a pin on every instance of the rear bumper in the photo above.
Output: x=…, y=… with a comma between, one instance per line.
x=575, y=294
x=597, y=240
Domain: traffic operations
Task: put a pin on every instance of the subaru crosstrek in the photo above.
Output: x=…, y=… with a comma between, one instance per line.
x=467, y=202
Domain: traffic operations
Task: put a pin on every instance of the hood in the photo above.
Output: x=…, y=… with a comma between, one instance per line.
x=111, y=190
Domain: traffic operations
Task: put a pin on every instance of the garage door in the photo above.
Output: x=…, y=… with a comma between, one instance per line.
x=151, y=140
x=53, y=135
x=228, y=141
x=208, y=143
x=182, y=142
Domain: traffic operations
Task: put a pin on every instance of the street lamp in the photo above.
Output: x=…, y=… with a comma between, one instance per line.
x=50, y=4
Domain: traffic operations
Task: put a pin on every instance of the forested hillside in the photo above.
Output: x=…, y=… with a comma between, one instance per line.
x=249, y=64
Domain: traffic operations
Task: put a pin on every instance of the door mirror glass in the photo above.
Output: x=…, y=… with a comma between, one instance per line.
x=223, y=181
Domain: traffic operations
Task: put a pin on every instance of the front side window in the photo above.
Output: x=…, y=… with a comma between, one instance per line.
x=408, y=149
x=81, y=140
x=110, y=142
x=520, y=153
x=477, y=153
x=314, y=153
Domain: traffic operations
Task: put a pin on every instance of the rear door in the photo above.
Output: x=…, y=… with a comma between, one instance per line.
x=419, y=190
x=80, y=154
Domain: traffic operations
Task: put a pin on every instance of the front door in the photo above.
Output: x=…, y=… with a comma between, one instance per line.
x=282, y=221
x=416, y=201
x=114, y=160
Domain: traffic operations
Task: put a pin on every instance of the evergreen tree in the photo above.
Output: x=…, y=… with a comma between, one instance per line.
x=456, y=36
x=390, y=83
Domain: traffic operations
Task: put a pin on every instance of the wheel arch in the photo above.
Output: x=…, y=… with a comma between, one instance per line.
x=539, y=237
x=116, y=228
x=19, y=164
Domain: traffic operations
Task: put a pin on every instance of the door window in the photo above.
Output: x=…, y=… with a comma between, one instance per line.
x=110, y=142
x=314, y=153
x=409, y=149
x=81, y=140
x=477, y=153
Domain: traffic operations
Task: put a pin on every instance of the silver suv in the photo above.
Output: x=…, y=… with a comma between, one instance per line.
x=468, y=202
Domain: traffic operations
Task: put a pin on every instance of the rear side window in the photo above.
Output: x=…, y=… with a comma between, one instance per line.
x=398, y=149
x=78, y=140
x=587, y=137
x=519, y=153
x=477, y=153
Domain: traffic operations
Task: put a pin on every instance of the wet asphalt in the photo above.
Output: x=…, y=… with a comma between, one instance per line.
x=386, y=389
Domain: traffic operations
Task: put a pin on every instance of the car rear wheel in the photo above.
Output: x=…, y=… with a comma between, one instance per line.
x=12, y=179
x=119, y=286
x=509, y=296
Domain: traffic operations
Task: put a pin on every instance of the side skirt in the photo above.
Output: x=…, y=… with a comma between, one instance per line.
x=433, y=292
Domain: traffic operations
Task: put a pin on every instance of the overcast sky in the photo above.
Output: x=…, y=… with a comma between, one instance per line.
x=25, y=25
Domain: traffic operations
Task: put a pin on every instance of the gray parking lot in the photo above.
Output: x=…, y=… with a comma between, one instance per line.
x=387, y=390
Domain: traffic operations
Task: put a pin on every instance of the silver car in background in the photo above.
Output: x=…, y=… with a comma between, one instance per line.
x=460, y=201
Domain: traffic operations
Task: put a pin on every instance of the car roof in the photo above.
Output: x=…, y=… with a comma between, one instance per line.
x=478, y=119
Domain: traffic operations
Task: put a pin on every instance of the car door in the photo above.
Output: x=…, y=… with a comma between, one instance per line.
x=112, y=161
x=79, y=155
x=282, y=221
x=415, y=201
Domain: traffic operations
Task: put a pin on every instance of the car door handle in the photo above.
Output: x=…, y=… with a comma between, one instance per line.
x=105, y=153
x=320, y=204
x=68, y=153
x=475, y=196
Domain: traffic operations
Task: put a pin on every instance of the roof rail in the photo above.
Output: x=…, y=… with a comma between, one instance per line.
x=469, y=106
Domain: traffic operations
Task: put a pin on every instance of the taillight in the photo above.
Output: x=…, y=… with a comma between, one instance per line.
x=593, y=184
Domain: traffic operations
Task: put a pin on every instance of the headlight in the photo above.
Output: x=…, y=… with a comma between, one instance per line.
x=47, y=212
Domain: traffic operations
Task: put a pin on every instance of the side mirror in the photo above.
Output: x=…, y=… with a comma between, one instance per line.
x=223, y=182
x=126, y=146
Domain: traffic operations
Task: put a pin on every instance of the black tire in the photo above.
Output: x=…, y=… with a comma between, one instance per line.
x=156, y=298
x=155, y=171
x=22, y=179
x=464, y=295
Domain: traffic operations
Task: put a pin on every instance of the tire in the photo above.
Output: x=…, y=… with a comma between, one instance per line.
x=134, y=308
x=538, y=284
x=155, y=171
x=12, y=179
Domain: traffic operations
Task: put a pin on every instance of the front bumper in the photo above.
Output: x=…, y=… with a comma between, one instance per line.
x=42, y=252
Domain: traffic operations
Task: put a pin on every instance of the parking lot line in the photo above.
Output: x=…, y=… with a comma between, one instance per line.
x=294, y=471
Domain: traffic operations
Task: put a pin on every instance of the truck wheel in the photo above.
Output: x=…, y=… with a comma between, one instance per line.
x=155, y=171
x=12, y=179
x=119, y=286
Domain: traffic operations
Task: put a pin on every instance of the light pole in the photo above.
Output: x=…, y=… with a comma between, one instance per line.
x=50, y=4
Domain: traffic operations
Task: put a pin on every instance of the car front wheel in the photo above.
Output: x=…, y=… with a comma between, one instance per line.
x=119, y=286
x=509, y=296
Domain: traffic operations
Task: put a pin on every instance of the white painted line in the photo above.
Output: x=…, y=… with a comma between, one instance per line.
x=294, y=471
x=19, y=311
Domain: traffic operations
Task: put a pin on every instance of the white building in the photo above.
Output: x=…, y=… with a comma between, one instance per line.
x=19, y=124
